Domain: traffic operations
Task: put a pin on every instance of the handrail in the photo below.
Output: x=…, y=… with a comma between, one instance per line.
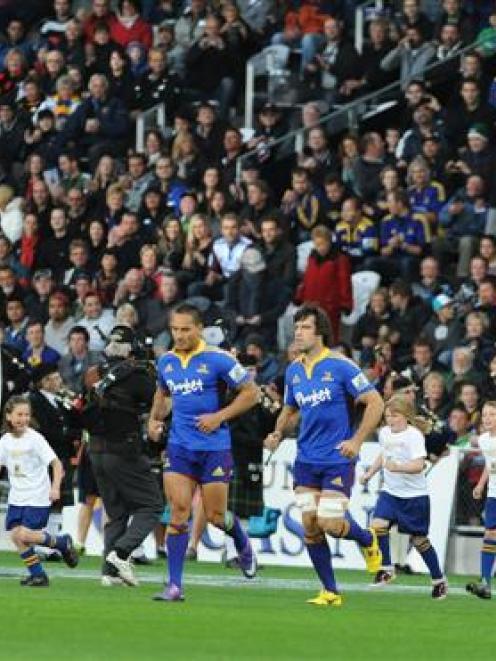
x=360, y=21
x=350, y=109
x=159, y=112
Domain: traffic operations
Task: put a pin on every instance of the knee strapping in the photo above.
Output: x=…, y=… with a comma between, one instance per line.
x=332, y=508
x=421, y=543
x=306, y=501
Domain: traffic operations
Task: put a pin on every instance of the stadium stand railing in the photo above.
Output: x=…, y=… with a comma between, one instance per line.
x=347, y=117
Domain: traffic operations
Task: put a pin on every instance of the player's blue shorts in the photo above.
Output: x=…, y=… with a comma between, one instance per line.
x=412, y=515
x=325, y=477
x=203, y=466
x=490, y=514
x=34, y=518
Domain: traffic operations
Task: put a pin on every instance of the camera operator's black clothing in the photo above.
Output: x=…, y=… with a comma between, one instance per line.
x=121, y=467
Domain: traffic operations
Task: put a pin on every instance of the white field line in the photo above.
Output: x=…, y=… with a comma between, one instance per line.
x=235, y=581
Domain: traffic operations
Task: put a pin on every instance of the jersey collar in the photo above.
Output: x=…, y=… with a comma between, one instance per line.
x=184, y=358
x=309, y=365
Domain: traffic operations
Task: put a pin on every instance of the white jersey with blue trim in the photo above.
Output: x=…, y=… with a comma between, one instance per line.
x=27, y=458
x=321, y=390
x=401, y=447
x=487, y=445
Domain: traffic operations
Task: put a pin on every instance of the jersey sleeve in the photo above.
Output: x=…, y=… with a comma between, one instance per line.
x=416, y=445
x=289, y=398
x=230, y=371
x=3, y=454
x=45, y=452
x=354, y=380
x=381, y=437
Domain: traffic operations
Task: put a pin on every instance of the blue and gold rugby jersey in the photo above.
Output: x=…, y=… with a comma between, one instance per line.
x=319, y=389
x=194, y=382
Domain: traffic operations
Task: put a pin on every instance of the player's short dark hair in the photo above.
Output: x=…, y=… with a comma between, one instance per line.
x=401, y=287
x=80, y=330
x=191, y=310
x=423, y=341
x=460, y=406
x=322, y=325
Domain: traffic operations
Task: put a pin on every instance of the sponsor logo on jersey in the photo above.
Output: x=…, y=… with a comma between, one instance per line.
x=203, y=369
x=315, y=398
x=168, y=368
x=296, y=380
x=327, y=377
x=187, y=387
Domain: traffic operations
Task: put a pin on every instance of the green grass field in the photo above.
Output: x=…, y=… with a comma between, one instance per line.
x=228, y=618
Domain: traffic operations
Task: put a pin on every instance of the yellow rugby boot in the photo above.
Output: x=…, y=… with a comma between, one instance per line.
x=372, y=554
x=326, y=598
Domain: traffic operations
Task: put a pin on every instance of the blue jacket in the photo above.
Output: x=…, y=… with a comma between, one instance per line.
x=470, y=222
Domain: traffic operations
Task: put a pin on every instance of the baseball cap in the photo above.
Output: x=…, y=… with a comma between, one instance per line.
x=441, y=301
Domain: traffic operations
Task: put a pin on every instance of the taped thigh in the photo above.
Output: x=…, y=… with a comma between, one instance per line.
x=332, y=508
x=306, y=501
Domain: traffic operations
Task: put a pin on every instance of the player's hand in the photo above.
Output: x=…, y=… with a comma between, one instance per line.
x=349, y=449
x=364, y=479
x=54, y=495
x=272, y=440
x=209, y=422
x=155, y=430
x=477, y=492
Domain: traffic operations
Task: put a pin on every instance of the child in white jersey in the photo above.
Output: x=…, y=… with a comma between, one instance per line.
x=487, y=445
x=27, y=456
x=404, y=498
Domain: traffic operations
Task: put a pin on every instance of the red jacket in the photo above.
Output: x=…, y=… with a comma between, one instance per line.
x=140, y=31
x=327, y=282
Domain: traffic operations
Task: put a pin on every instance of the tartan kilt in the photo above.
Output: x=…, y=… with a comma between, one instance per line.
x=246, y=490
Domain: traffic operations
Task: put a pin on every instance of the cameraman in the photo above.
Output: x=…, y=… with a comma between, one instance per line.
x=121, y=391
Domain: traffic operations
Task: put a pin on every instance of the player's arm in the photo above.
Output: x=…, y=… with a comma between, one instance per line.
x=161, y=407
x=374, y=408
x=57, y=475
x=286, y=422
x=373, y=469
x=479, y=487
x=412, y=467
x=246, y=398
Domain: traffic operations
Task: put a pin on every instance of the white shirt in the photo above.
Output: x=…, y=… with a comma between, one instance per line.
x=401, y=447
x=487, y=444
x=228, y=255
x=105, y=323
x=57, y=337
x=27, y=458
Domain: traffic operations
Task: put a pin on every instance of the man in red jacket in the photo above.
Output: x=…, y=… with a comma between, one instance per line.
x=327, y=279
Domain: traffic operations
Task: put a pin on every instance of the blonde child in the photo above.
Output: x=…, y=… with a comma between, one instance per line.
x=27, y=456
x=487, y=445
x=404, y=498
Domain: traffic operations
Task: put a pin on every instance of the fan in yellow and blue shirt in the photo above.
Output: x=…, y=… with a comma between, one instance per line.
x=427, y=200
x=411, y=227
x=356, y=235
